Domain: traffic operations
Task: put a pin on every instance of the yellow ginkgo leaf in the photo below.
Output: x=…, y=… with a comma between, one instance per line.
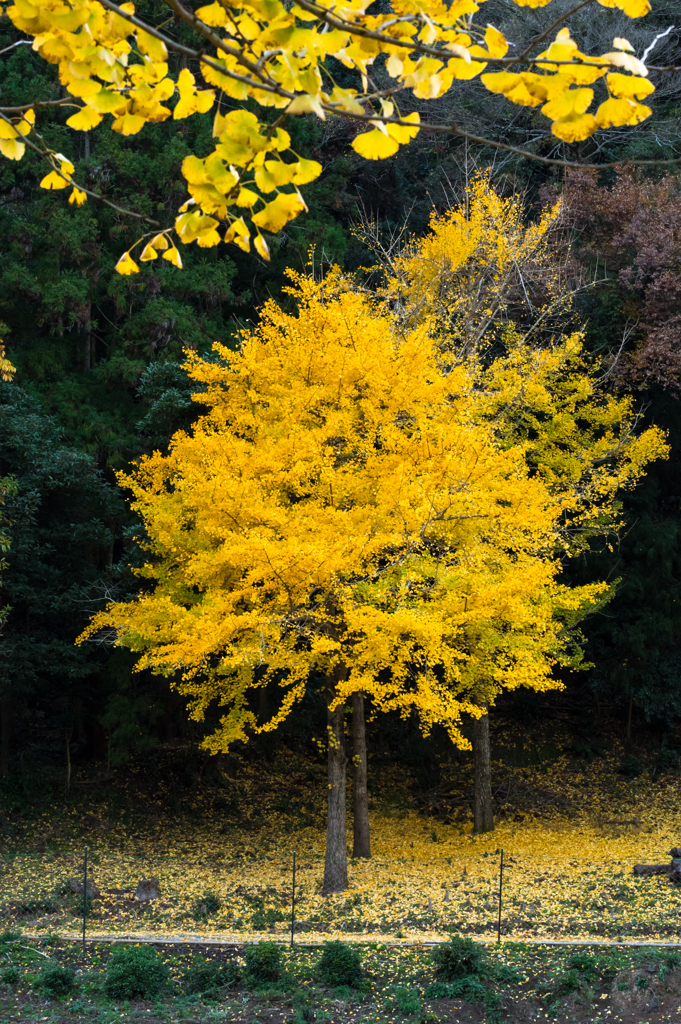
x=12, y=148
x=306, y=171
x=77, y=197
x=128, y=124
x=154, y=48
x=107, y=102
x=237, y=229
x=629, y=86
x=626, y=61
x=85, y=119
x=572, y=101
x=126, y=265
x=616, y=112
x=632, y=8
x=247, y=197
x=262, y=247
x=401, y=133
x=575, y=127
x=8, y=131
x=204, y=100
x=207, y=239
x=622, y=44
x=173, y=256
x=54, y=181
x=374, y=145
x=148, y=253
x=526, y=89
x=159, y=242
x=279, y=212
x=495, y=42
x=214, y=15
x=26, y=122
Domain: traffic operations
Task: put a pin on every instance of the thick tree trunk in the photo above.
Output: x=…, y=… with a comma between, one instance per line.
x=361, y=844
x=483, y=815
x=336, y=860
x=5, y=733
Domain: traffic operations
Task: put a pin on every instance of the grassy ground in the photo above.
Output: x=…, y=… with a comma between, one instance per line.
x=517, y=984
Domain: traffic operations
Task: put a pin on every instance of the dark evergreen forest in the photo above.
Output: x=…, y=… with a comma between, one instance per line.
x=100, y=382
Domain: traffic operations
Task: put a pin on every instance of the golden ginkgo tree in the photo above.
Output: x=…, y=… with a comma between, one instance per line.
x=257, y=63
x=347, y=508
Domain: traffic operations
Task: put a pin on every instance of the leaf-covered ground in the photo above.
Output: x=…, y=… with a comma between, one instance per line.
x=571, y=832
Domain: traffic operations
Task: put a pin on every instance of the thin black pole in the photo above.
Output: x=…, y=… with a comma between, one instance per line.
x=84, y=898
x=501, y=884
x=293, y=899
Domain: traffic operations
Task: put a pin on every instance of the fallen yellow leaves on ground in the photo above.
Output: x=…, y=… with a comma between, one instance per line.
x=567, y=874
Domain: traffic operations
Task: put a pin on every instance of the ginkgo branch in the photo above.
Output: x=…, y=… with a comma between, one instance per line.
x=45, y=154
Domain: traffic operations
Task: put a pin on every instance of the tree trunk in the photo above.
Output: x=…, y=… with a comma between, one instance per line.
x=631, y=706
x=336, y=859
x=361, y=844
x=483, y=815
x=5, y=733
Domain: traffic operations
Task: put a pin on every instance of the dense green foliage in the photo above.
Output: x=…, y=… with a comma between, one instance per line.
x=56, y=981
x=263, y=963
x=458, y=957
x=340, y=964
x=137, y=972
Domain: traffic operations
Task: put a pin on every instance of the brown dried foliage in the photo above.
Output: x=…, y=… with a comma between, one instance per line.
x=632, y=228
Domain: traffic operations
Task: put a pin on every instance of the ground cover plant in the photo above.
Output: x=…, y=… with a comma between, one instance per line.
x=512, y=982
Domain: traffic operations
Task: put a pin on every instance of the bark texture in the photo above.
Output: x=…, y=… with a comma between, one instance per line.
x=336, y=859
x=361, y=843
x=483, y=814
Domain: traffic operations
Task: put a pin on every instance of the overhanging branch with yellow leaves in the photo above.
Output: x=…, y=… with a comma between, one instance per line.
x=112, y=63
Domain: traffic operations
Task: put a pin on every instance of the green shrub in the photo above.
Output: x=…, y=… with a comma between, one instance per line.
x=55, y=981
x=206, y=975
x=340, y=964
x=630, y=766
x=405, y=1000
x=467, y=987
x=9, y=936
x=263, y=962
x=10, y=974
x=667, y=761
x=571, y=981
x=135, y=972
x=458, y=957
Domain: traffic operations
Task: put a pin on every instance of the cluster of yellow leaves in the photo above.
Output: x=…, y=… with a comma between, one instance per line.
x=568, y=875
x=7, y=369
x=273, y=53
x=562, y=90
